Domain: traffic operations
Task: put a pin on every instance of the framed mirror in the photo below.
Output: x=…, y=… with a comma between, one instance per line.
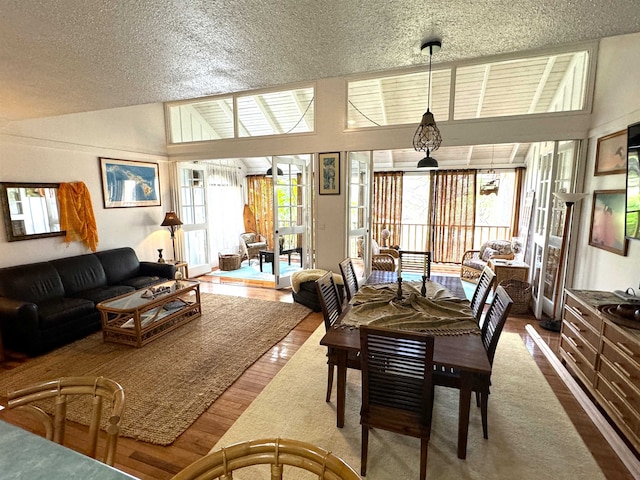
x=632, y=210
x=30, y=210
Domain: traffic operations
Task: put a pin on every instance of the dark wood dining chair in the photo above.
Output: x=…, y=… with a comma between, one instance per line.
x=410, y=261
x=349, y=278
x=397, y=388
x=481, y=293
x=494, y=321
x=331, y=310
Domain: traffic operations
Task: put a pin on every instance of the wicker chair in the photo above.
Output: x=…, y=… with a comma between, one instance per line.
x=250, y=245
x=276, y=452
x=59, y=393
x=474, y=261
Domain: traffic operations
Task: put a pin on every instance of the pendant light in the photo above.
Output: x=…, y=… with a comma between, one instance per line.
x=492, y=184
x=427, y=137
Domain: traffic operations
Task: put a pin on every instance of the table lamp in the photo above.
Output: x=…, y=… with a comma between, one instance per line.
x=172, y=221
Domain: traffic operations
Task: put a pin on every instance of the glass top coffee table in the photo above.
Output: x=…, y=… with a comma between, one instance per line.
x=139, y=317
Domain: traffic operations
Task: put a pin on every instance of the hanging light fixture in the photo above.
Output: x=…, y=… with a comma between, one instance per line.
x=270, y=172
x=427, y=137
x=491, y=182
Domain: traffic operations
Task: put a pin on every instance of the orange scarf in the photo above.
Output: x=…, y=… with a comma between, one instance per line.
x=76, y=214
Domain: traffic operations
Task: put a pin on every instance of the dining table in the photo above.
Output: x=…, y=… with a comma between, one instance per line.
x=26, y=455
x=459, y=347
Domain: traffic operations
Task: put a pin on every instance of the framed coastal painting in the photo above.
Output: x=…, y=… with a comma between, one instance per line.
x=608, y=221
x=611, y=154
x=126, y=183
x=329, y=173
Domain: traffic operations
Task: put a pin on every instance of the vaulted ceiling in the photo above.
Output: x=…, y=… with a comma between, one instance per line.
x=67, y=56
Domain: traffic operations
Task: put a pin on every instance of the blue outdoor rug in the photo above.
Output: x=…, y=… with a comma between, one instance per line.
x=253, y=271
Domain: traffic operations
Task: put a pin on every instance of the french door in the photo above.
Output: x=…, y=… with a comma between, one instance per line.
x=193, y=213
x=291, y=216
x=359, y=213
x=555, y=172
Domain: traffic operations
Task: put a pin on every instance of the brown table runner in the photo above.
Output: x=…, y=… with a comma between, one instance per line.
x=440, y=313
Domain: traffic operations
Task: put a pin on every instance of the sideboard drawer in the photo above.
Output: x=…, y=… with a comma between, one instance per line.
x=577, y=340
x=620, y=382
x=577, y=309
x=623, y=340
x=620, y=410
x=577, y=362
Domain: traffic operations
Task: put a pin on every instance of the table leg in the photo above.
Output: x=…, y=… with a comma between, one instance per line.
x=260, y=255
x=463, y=413
x=341, y=392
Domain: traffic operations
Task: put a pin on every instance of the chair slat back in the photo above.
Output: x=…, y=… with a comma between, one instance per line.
x=349, y=278
x=104, y=393
x=329, y=299
x=481, y=293
x=397, y=369
x=271, y=451
x=494, y=321
x=415, y=262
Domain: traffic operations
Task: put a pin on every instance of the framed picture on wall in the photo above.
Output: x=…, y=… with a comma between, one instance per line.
x=129, y=184
x=329, y=173
x=607, y=221
x=611, y=154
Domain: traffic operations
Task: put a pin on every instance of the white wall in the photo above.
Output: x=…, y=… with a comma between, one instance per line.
x=66, y=149
x=616, y=105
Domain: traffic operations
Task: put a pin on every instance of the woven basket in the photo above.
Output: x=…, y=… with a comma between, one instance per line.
x=520, y=293
x=229, y=261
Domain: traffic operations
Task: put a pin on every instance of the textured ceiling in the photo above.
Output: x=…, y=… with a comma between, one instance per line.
x=68, y=56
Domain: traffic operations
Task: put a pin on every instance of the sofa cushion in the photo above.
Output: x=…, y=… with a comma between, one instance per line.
x=488, y=254
x=80, y=273
x=142, y=282
x=100, y=294
x=119, y=264
x=35, y=282
x=58, y=310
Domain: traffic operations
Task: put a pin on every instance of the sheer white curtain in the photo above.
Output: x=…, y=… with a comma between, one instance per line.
x=225, y=207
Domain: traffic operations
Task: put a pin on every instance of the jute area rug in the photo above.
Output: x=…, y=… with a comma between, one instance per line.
x=169, y=382
x=530, y=436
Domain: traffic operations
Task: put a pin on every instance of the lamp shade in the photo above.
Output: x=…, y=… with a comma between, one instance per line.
x=171, y=220
x=270, y=172
x=567, y=197
x=428, y=162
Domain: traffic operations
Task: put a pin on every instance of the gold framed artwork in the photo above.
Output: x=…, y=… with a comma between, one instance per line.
x=611, y=154
x=329, y=173
x=608, y=221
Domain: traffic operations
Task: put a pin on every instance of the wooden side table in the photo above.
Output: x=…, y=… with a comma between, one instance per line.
x=508, y=270
x=182, y=266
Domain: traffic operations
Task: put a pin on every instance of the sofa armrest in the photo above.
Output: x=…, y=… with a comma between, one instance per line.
x=155, y=269
x=11, y=310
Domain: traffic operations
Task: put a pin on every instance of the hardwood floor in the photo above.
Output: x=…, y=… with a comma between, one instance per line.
x=148, y=461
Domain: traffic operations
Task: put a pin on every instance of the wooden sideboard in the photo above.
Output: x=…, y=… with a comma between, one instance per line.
x=604, y=356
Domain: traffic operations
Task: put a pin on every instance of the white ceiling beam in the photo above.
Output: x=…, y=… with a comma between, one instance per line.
x=541, y=84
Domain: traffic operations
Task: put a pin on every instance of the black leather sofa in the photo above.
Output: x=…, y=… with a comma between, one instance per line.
x=48, y=304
